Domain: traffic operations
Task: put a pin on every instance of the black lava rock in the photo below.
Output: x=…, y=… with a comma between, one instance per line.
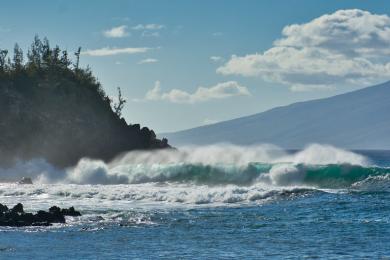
x=3, y=208
x=70, y=212
x=18, y=208
x=16, y=217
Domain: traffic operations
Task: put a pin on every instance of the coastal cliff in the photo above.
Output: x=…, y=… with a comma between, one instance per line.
x=52, y=109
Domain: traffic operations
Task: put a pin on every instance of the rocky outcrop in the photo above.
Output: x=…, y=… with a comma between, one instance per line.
x=16, y=217
x=51, y=110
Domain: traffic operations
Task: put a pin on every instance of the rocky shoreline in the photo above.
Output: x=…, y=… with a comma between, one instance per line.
x=16, y=217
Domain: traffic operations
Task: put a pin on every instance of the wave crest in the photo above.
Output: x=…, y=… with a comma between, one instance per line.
x=319, y=166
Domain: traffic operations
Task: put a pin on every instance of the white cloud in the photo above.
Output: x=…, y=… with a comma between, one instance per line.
x=116, y=32
x=150, y=34
x=149, y=30
x=202, y=94
x=148, y=60
x=114, y=51
x=217, y=34
x=151, y=26
x=216, y=58
x=348, y=47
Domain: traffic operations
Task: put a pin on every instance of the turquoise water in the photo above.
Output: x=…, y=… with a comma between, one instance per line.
x=293, y=208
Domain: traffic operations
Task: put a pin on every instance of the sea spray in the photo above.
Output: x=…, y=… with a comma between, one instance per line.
x=212, y=175
x=320, y=166
x=242, y=155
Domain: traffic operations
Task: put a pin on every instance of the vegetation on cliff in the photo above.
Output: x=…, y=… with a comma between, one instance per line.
x=51, y=108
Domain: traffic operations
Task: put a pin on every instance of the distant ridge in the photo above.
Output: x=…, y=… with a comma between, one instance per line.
x=355, y=120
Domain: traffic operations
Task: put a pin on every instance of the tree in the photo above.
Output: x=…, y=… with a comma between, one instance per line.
x=35, y=53
x=55, y=59
x=3, y=59
x=65, y=62
x=120, y=104
x=77, y=53
x=18, y=57
x=46, y=52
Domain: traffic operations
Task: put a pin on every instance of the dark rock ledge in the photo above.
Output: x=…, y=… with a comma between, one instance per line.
x=16, y=217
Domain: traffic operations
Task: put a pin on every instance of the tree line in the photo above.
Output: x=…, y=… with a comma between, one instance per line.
x=42, y=59
x=40, y=56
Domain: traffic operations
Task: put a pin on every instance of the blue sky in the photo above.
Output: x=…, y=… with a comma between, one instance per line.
x=161, y=52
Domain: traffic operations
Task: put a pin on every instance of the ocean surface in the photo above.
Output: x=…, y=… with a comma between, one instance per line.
x=214, y=202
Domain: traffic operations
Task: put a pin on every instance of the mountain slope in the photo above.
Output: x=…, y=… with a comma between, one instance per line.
x=359, y=120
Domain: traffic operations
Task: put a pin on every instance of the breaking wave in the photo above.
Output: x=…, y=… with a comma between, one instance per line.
x=279, y=174
x=319, y=166
x=196, y=175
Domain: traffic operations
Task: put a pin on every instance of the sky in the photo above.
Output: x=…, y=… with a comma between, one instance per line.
x=182, y=64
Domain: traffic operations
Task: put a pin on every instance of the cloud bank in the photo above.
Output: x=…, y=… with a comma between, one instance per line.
x=347, y=47
x=202, y=94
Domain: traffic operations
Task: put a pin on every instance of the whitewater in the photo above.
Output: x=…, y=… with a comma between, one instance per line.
x=183, y=198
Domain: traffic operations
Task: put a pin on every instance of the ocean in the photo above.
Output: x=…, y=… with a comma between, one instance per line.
x=213, y=202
